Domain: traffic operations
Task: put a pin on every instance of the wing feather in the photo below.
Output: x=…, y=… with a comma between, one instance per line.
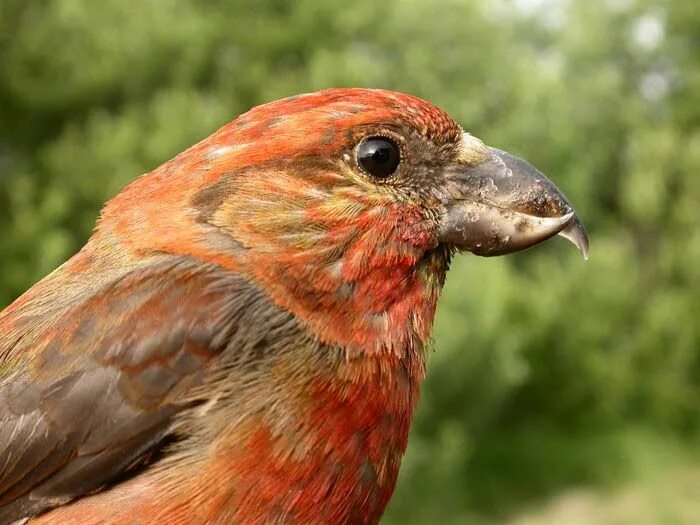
x=98, y=388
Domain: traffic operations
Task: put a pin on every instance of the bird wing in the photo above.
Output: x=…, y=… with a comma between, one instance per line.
x=94, y=393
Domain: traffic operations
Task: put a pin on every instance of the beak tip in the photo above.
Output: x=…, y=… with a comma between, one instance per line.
x=575, y=233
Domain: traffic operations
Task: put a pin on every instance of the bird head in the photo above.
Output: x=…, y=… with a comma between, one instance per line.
x=345, y=206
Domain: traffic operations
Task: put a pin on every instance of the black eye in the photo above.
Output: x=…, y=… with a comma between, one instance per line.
x=378, y=156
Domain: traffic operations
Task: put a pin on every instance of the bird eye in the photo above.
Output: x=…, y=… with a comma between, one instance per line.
x=378, y=156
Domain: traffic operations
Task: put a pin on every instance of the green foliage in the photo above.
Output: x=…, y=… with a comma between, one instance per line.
x=547, y=372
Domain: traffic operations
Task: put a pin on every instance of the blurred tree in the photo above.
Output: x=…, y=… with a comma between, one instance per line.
x=546, y=372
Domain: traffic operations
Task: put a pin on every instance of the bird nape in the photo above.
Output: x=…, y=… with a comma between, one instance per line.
x=241, y=340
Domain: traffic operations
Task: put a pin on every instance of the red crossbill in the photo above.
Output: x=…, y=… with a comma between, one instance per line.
x=241, y=340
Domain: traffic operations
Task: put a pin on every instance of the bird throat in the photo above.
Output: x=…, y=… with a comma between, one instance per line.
x=364, y=304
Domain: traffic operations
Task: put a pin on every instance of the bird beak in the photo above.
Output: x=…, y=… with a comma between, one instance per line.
x=504, y=205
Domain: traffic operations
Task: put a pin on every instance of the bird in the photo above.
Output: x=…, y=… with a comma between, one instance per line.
x=242, y=339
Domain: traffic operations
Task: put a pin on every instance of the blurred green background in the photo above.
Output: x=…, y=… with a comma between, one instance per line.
x=559, y=391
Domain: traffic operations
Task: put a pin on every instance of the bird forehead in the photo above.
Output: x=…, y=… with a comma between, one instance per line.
x=329, y=117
